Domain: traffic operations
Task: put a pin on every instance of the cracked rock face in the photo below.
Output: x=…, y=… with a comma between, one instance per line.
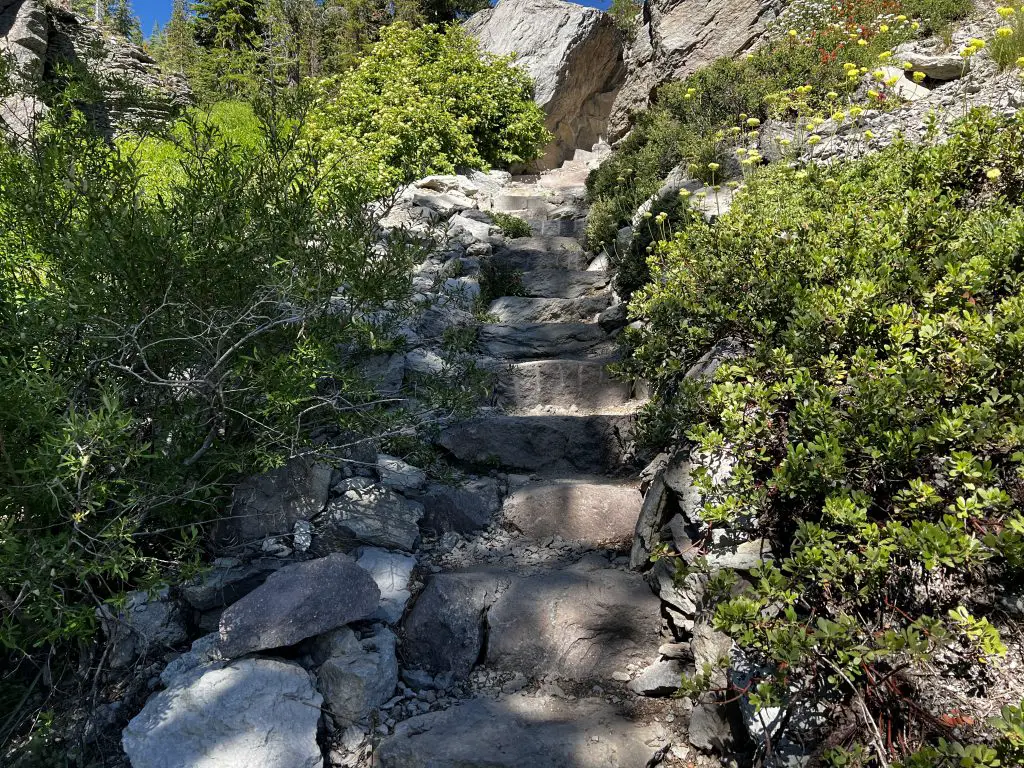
x=676, y=38
x=573, y=54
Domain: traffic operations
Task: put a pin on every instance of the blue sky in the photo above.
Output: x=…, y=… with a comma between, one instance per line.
x=151, y=12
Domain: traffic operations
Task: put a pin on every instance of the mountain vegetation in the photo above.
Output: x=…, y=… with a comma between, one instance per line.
x=170, y=314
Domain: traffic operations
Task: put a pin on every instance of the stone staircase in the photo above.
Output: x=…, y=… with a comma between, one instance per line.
x=553, y=603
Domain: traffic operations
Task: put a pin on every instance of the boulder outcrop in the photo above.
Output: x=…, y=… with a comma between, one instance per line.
x=573, y=54
x=675, y=38
x=37, y=38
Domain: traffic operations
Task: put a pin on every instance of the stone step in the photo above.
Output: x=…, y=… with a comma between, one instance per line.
x=578, y=385
x=529, y=253
x=515, y=731
x=581, y=622
x=510, y=310
x=561, y=227
x=596, y=512
x=593, y=443
x=535, y=341
x=564, y=284
x=534, y=204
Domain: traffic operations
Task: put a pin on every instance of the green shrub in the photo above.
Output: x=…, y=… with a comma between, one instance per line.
x=511, y=226
x=155, y=348
x=877, y=424
x=426, y=101
x=696, y=121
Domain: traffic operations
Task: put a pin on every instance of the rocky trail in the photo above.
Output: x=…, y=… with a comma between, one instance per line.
x=373, y=616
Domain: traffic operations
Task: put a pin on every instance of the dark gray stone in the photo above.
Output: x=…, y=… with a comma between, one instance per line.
x=368, y=514
x=461, y=509
x=300, y=601
x=228, y=580
x=444, y=630
x=587, y=443
x=356, y=676
x=145, y=624
x=546, y=340
x=564, y=283
x=271, y=503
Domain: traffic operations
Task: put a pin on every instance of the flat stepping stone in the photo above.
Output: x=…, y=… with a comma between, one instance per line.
x=583, y=622
x=546, y=340
x=528, y=254
x=579, y=385
x=512, y=310
x=591, y=444
x=563, y=283
x=593, y=512
x=517, y=731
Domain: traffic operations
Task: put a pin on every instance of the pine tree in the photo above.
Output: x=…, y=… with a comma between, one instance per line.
x=121, y=19
x=179, y=53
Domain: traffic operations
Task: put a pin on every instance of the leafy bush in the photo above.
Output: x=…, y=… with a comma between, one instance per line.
x=694, y=121
x=155, y=347
x=426, y=101
x=511, y=226
x=876, y=425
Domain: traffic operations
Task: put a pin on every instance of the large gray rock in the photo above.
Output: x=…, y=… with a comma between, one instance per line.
x=143, y=625
x=400, y=475
x=587, y=443
x=391, y=571
x=368, y=514
x=444, y=631
x=462, y=509
x=546, y=340
x=300, y=601
x=517, y=731
x=580, y=623
x=355, y=676
x=573, y=54
x=251, y=712
x=676, y=38
x=595, y=512
x=271, y=503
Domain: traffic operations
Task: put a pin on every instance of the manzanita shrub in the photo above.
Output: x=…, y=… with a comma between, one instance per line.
x=877, y=425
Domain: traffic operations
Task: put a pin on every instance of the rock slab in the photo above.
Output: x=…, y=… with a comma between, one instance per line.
x=517, y=731
x=247, y=713
x=573, y=54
